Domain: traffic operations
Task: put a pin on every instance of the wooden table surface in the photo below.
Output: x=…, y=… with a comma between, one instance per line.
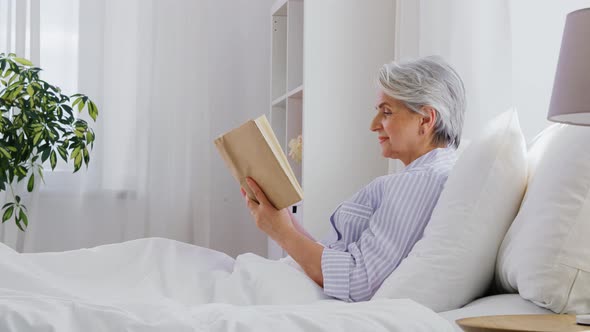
x=514, y=323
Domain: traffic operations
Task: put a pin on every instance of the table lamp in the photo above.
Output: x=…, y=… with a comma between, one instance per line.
x=570, y=100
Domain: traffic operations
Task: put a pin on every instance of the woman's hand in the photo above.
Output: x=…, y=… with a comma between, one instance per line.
x=275, y=223
x=278, y=225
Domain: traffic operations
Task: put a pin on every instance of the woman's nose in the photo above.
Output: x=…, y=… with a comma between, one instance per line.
x=375, y=124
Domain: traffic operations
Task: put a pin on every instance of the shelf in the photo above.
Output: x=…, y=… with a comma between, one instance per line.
x=278, y=122
x=286, y=105
x=279, y=8
x=279, y=56
x=280, y=102
x=296, y=93
x=294, y=44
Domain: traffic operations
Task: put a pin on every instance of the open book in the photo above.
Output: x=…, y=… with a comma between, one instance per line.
x=253, y=150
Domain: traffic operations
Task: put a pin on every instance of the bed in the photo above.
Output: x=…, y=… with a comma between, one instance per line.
x=157, y=284
x=504, y=217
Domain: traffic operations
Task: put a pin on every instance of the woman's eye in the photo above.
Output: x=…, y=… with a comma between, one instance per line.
x=387, y=113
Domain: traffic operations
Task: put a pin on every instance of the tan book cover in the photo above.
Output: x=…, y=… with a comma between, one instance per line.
x=252, y=150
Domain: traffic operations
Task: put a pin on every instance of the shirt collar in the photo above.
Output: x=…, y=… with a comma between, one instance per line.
x=429, y=157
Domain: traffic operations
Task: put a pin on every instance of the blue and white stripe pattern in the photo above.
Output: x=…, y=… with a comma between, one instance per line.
x=378, y=226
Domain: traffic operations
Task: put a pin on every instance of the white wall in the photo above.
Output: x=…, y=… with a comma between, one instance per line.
x=345, y=44
x=505, y=50
x=239, y=57
x=536, y=39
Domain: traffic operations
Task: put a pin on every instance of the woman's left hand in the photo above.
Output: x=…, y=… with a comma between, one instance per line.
x=275, y=223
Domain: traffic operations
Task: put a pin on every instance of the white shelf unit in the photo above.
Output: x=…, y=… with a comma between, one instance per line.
x=286, y=104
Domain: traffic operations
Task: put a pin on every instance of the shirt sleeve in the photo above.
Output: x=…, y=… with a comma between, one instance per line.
x=355, y=274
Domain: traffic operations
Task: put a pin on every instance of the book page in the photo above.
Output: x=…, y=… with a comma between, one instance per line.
x=269, y=136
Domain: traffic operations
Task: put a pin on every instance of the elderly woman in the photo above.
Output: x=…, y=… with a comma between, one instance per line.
x=419, y=118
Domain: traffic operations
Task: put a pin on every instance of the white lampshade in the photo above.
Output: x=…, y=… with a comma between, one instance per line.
x=570, y=100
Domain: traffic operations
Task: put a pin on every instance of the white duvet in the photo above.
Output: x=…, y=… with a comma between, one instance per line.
x=158, y=284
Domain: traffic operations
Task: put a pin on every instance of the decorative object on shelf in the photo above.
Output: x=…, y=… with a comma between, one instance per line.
x=37, y=122
x=296, y=148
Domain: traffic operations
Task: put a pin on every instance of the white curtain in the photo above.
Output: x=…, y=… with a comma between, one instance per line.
x=505, y=50
x=168, y=77
x=144, y=64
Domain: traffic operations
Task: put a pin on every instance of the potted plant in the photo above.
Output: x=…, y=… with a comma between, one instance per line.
x=37, y=123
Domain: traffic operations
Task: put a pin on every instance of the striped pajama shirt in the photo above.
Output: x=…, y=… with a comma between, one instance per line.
x=378, y=226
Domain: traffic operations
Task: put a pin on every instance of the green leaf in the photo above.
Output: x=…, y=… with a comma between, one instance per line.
x=75, y=153
x=23, y=62
x=92, y=110
x=13, y=78
x=81, y=106
x=31, y=183
x=17, y=197
x=18, y=223
x=67, y=108
x=7, y=73
x=21, y=170
x=37, y=137
x=89, y=137
x=17, y=91
x=24, y=218
x=63, y=153
x=76, y=102
x=7, y=205
x=53, y=160
x=86, y=157
x=77, y=162
x=45, y=154
x=5, y=152
x=7, y=214
x=30, y=90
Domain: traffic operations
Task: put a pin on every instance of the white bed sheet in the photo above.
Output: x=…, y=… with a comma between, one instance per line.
x=503, y=304
x=157, y=284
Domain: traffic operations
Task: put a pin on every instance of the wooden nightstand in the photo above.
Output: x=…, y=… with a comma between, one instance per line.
x=508, y=323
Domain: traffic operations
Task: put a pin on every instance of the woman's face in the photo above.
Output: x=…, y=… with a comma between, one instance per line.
x=398, y=129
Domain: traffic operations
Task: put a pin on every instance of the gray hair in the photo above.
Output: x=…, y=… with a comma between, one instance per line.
x=429, y=81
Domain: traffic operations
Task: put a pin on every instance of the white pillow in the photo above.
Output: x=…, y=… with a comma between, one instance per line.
x=454, y=261
x=545, y=255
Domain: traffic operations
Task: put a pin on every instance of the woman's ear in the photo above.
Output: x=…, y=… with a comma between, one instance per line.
x=428, y=119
